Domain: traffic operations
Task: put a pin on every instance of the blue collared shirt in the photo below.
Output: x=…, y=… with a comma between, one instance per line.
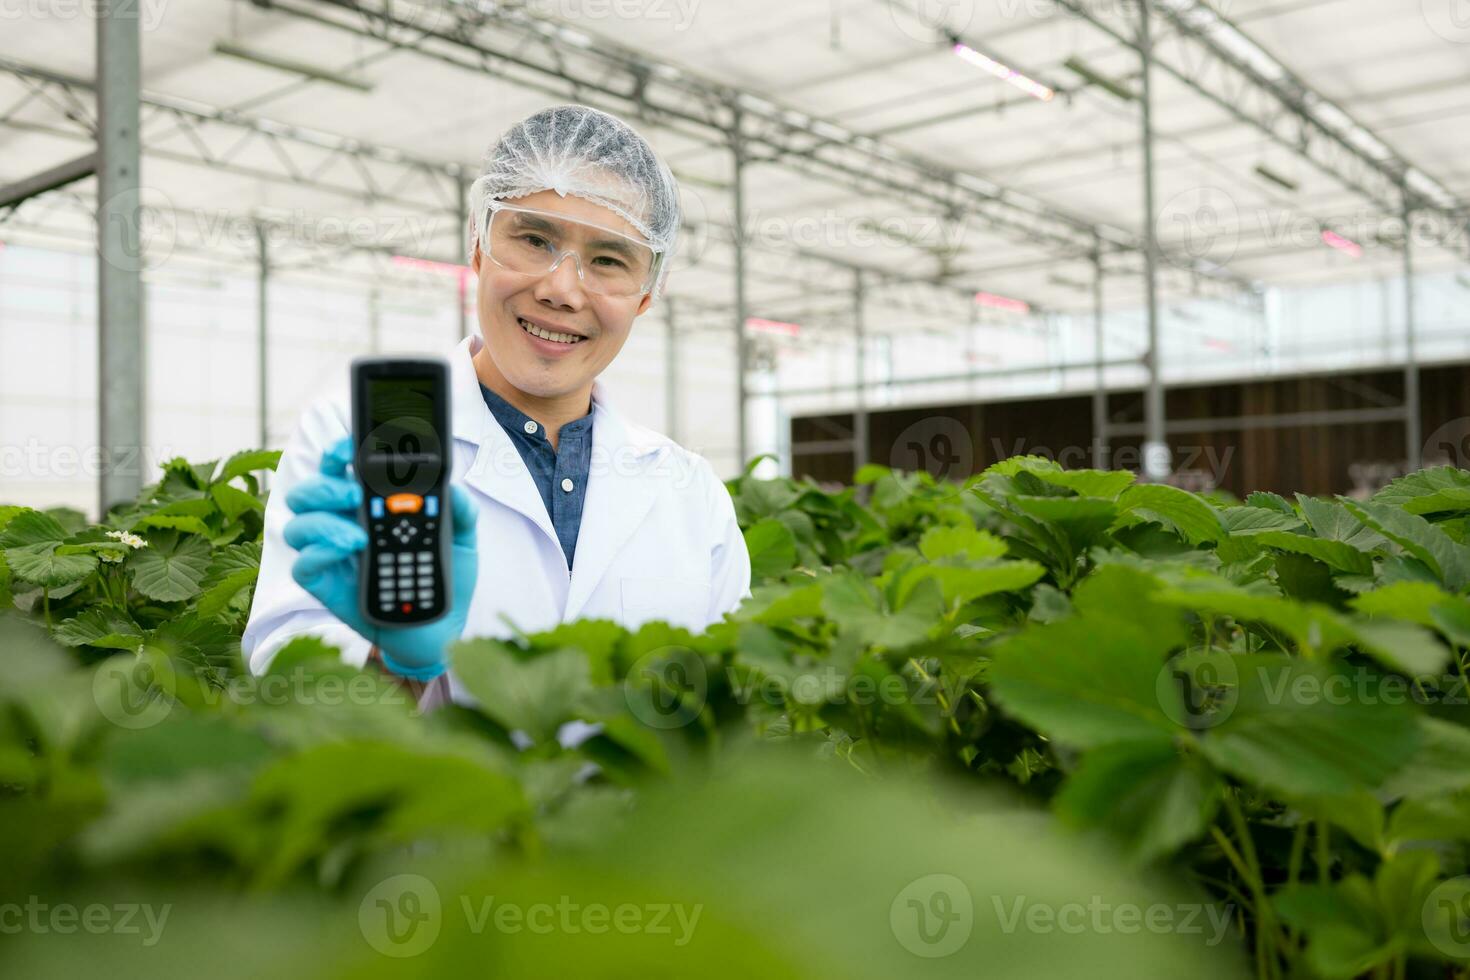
x=560, y=474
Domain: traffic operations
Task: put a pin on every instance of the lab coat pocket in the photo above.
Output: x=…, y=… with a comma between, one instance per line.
x=681, y=601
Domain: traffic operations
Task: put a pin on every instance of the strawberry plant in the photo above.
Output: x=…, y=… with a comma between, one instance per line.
x=1040, y=683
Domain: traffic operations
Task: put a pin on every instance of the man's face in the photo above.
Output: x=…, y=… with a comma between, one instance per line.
x=557, y=302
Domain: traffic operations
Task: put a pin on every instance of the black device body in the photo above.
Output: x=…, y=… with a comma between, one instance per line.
x=403, y=452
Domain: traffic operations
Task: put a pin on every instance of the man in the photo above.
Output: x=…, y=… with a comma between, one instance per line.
x=561, y=508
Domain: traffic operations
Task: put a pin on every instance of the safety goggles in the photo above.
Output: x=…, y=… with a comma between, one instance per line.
x=532, y=242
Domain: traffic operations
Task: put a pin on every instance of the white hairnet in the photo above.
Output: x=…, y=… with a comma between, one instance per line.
x=575, y=149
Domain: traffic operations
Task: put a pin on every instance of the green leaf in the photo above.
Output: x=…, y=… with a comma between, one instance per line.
x=232, y=569
x=1253, y=520
x=1194, y=520
x=99, y=626
x=1336, y=554
x=177, y=522
x=1444, y=556
x=1432, y=491
x=30, y=541
x=1441, y=764
x=1093, y=679
x=1269, y=501
x=944, y=541
x=171, y=568
x=248, y=461
x=1107, y=484
x=1432, y=818
x=1297, y=727
x=1332, y=521
x=1404, y=647
x=855, y=606
x=772, y=549
x=534, y=695
x=962, y=584
x=1412, y=602
x=233, y=502
x=1340, y=923
x=1148, y=796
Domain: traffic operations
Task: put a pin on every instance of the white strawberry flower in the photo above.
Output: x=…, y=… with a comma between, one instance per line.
x=128, y=538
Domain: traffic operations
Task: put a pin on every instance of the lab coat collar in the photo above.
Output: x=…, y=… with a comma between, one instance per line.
x=618, y=496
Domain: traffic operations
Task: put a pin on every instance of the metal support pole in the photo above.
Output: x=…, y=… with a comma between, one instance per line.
x=375, y=321
x=860, y=406
x=1157, y=463
x=262, y=363
x=737, y=226
x=671, y=371
x=1413, y=424
x=1100, y=436
x=464, y=230
x=120, y=257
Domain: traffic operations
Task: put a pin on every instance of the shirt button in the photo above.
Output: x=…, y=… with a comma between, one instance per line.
x=530, y=427
x=567, y=485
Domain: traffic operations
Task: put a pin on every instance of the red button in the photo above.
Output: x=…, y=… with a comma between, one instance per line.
x=408, y=607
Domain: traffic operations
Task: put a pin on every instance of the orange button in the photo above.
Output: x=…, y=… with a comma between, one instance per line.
x=405, y=503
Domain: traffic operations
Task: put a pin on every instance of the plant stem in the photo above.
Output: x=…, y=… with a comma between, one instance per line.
x=1298, y=853
x=1268, y=941
x=46, y=604
x=1324, y=852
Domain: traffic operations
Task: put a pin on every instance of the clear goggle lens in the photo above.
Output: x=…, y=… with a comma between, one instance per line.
x=533, y=243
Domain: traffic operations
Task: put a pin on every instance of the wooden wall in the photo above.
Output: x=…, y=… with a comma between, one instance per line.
x=956, y=440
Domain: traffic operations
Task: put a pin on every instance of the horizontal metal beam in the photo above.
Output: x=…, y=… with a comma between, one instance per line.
x=1245, y=423
x=60, y=175
x=947, y=378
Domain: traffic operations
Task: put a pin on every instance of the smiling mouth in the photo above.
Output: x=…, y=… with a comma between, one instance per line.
x=550, y=335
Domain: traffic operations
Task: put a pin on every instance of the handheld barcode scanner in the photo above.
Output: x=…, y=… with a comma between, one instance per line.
x=402, y=455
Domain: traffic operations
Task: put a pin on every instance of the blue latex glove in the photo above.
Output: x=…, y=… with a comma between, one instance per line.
x=327, y=533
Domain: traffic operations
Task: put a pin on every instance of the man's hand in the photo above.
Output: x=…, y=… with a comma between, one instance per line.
x=329, y=538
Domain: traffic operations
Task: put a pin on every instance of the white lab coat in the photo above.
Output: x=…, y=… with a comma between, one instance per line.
x=658, y=540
